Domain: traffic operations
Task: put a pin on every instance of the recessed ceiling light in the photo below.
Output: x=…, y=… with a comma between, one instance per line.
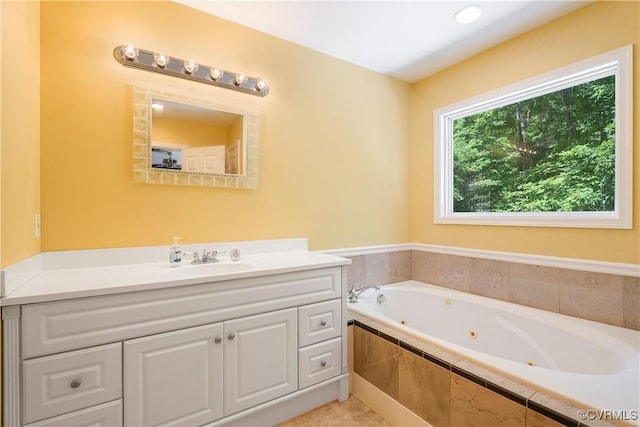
x=468, y=14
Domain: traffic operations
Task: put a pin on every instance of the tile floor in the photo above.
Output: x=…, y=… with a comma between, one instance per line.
x=352, y=412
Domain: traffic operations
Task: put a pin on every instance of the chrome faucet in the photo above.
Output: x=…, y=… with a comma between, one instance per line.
x=355, y=293
x=207, y=257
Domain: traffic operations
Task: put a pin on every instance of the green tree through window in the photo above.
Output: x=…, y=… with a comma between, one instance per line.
x=554, y=152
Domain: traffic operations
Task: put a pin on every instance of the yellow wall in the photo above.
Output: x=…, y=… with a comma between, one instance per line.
x=594, y=29
x=20, y=137
x=19, y=133
x=334, y=138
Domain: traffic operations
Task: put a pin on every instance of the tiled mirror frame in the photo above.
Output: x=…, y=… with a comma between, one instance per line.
x=142, y=173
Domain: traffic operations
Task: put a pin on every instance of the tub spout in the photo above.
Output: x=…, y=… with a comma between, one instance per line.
x=355, y=293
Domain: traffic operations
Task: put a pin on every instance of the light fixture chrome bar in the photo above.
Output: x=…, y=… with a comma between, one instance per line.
x=130, y=56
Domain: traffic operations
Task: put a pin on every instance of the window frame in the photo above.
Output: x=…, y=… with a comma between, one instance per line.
x=617, y=62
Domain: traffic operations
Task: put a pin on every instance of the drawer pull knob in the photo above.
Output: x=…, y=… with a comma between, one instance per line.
x=323, y=323
x=75, y=383
x=231, y=336
x=217, y=340
x=323, y=363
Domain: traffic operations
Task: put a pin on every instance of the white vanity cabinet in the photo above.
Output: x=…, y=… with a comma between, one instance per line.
x=260, y=355
x=174, y=378
x=254, y=350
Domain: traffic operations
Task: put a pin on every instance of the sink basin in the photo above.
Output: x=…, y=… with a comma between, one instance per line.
x=222, y=267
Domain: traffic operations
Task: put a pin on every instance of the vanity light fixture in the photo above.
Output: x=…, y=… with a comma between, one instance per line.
x=261, y=85
x=239, y=79
x=161, y=60
x=131, y=56
x=190, y=67
x=216, y=74
x=129, y=52
x=468, y=14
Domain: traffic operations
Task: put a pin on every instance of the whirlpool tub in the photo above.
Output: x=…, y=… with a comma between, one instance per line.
x=579, y=361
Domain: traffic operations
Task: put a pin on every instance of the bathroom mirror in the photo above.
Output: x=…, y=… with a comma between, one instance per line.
x=187, y=139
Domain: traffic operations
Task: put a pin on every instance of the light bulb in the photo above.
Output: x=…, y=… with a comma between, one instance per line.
x=216, y=73
x=129, y=51
x=190, y=67
x=261, y=85
x=240, y=79
x=161, y=60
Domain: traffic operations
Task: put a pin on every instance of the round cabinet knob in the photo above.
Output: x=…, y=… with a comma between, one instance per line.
x=217, y=340
x=323, y=363
x=75, y=383
x=231, y=336
x=323, y=323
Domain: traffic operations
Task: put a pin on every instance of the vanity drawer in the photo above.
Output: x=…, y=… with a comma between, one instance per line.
x=67, y=382
x=105, y=415
x=319, y=362
x=319, y=322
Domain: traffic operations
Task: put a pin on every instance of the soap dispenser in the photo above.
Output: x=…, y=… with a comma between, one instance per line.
x=175, y=254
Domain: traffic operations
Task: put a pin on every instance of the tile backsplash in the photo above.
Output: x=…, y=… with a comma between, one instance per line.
x=606, y=298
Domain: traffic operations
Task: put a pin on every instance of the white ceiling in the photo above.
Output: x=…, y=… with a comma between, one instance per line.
x=408, y=40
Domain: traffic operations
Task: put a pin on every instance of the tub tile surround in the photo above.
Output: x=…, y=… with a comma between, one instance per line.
x=446, y=391
x=472, y=394
x=631, y=302
x=602, y=297
x=380, y=268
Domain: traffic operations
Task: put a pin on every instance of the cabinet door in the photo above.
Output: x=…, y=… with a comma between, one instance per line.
x=174, y=378
x=260, y=359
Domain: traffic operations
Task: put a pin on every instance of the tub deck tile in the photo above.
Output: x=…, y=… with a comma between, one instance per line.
x=536, y=419
x=425, y=389
x=475, y=405
x=376, y=360
x=558, y=410
x=434, y=351
x=499, y=383
x=427, y=356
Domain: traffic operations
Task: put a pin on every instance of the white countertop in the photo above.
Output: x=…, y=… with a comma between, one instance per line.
x=51, y=284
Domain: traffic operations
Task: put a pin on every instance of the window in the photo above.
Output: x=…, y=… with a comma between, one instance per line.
x=553, y=151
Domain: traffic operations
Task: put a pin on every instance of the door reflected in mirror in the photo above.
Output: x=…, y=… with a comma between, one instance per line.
x=192, y=138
